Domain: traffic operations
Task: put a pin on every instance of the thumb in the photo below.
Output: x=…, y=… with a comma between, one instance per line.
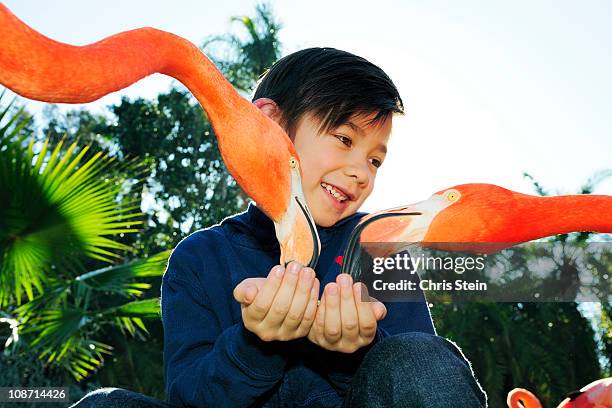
x=245, y=292
x=249, y=294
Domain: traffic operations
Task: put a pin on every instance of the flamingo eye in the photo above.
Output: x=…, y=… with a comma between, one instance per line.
x=452, y=195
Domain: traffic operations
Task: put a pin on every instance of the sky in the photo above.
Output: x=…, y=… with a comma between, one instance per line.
x=492, y=89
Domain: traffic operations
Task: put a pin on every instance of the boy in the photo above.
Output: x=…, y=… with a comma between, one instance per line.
x=240, y=331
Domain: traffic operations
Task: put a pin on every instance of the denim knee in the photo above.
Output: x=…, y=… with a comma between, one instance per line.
x=415, y=369
x=437, y=349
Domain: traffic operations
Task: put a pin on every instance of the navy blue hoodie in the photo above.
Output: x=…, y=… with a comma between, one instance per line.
x=210, y=359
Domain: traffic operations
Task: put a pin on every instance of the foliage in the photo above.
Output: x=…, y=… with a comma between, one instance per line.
x=606, y=337
x=136, y=364
x=79, y=124
x=518, y=345
x=53, y=208
x=242, y=61
x=57, y=207
x=188, y=186
x=63, y=321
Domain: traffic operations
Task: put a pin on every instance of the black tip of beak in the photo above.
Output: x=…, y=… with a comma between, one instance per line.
x=574, y=394
x=352, y=253
x=315, y=236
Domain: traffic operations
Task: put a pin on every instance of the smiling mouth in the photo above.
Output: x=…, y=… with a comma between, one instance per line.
x=334, y=192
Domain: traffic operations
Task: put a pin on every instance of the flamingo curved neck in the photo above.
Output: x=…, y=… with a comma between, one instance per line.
x=39, y=68
x=545, y=216
x=33, y=65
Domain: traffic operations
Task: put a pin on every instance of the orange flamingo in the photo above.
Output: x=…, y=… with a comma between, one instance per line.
x=597, y=394
x=480, y=218
x=256, y=151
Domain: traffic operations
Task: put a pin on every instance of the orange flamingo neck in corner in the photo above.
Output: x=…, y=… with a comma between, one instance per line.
x=39, y=68
x=32, y=65
x=537, y=217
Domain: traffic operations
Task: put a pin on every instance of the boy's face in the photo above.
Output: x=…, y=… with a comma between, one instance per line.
x=339, y=165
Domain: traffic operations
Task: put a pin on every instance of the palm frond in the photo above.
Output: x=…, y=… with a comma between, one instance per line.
x=65, y=318
x=536, y=185
x=139, y=308
x=54, y=207
x=117, y=279
x=64, y=335
x=79, y=356
x=595, y=180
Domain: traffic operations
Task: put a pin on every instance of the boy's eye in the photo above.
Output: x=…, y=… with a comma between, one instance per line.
x=376, y=163
x=345, y=139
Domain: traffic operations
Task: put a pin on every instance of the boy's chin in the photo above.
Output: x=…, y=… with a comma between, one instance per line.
x=329, y=221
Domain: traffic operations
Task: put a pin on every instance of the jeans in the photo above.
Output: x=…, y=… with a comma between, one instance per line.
x=415, y=370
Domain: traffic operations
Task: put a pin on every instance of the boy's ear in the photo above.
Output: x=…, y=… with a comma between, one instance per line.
x=269, y=108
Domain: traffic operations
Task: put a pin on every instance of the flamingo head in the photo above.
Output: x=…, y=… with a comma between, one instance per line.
x=265, y=163
x=448, y=213
x=463, y=213
x=295, y=228
x=478, y=218
x=597, y=394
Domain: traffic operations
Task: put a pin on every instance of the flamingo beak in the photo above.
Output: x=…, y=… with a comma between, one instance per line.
x=386, y=229
x=311, y=237
x=297, y=235
x=296, y=230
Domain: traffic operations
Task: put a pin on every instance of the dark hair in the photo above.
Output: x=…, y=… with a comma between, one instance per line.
x=331, y=84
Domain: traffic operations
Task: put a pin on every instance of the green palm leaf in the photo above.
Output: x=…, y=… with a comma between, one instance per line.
x=117, y=279
x=64, y=335
x=54, y=207
x=64, y=319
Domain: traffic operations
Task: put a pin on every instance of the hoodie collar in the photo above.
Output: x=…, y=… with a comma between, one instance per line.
x=253, y=228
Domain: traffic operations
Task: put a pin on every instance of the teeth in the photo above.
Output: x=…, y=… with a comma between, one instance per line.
x=337, y=195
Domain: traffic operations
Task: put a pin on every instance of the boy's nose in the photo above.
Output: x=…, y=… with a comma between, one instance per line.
x=359, y=172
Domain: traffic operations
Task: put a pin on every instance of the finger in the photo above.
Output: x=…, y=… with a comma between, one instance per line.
x=311, y=309
x=260, y=306
x=284, y=296
x=348, y=310
x=333, y=327
x=367, y=318
x=380, y=310
x=301, y=297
